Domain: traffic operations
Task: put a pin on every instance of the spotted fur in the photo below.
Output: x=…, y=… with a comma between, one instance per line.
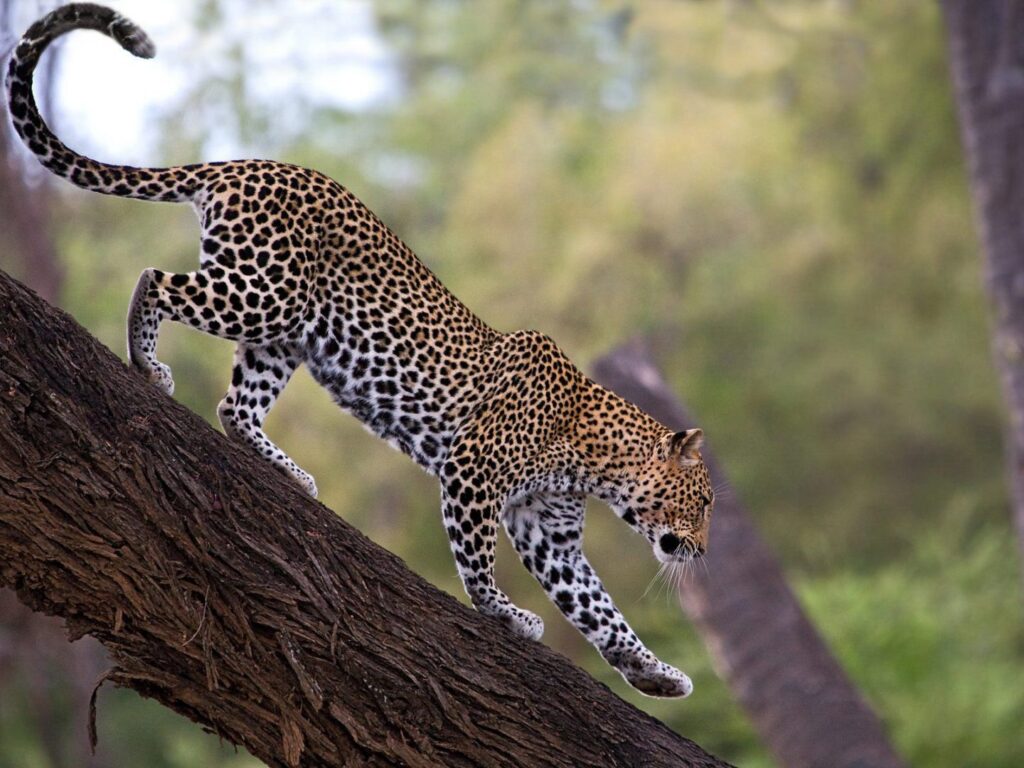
x=297, y=271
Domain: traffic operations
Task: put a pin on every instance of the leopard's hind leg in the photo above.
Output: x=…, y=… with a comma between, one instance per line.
x=145, y=313
x=236, y=303
x=260, y=374
x=248, y=290
x=231, y=304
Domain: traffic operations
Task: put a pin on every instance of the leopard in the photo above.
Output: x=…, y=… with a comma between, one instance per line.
x=295, y=270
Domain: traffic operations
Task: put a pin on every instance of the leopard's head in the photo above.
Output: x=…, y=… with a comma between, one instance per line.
x=670, y=497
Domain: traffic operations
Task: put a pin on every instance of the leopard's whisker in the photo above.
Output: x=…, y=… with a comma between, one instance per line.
x=666, y=578
x=670, y=577
x=650, y=584
x=678, y=575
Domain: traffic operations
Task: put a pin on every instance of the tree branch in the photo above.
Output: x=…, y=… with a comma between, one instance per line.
x=225, y=593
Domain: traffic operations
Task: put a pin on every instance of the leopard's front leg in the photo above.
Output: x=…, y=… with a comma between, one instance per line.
x=547, y=531
x=471, y=520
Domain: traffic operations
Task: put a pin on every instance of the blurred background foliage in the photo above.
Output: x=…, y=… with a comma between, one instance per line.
x=774, y=194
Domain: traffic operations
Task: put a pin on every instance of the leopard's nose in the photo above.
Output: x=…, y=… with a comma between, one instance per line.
x=669, y=543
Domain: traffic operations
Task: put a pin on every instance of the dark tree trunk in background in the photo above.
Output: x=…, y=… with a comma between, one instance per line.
x=52, y=677
x=26, y=247
x=801, y=702
x=222, y=591
x=25, y=243
x=37, y=665
x=986, y=54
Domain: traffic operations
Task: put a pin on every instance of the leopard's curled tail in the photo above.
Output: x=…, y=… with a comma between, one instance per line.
x=170, y=184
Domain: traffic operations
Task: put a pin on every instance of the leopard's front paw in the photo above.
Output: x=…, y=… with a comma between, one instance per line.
x=160, y=375
x=524, y=623
x=658, y=679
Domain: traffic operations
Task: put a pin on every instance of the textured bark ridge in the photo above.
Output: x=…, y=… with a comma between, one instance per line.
x=803, y=705
x=225, y=593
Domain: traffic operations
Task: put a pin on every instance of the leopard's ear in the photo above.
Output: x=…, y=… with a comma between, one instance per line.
x=685, y=446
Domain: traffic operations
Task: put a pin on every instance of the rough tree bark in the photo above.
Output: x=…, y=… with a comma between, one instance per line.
x=801, y=702
x=986, y=55
x=222, y=591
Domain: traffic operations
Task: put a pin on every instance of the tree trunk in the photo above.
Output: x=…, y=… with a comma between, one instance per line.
x=801, y=702
x=986, y=54
x=51, y=679
x=25, y=206
x=37, y=665
x=24, y=234
x=222, y=591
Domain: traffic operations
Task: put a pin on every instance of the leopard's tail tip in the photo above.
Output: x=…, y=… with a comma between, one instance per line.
x=132, y=38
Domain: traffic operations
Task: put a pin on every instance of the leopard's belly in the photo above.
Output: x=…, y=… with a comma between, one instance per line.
x=413, y=409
